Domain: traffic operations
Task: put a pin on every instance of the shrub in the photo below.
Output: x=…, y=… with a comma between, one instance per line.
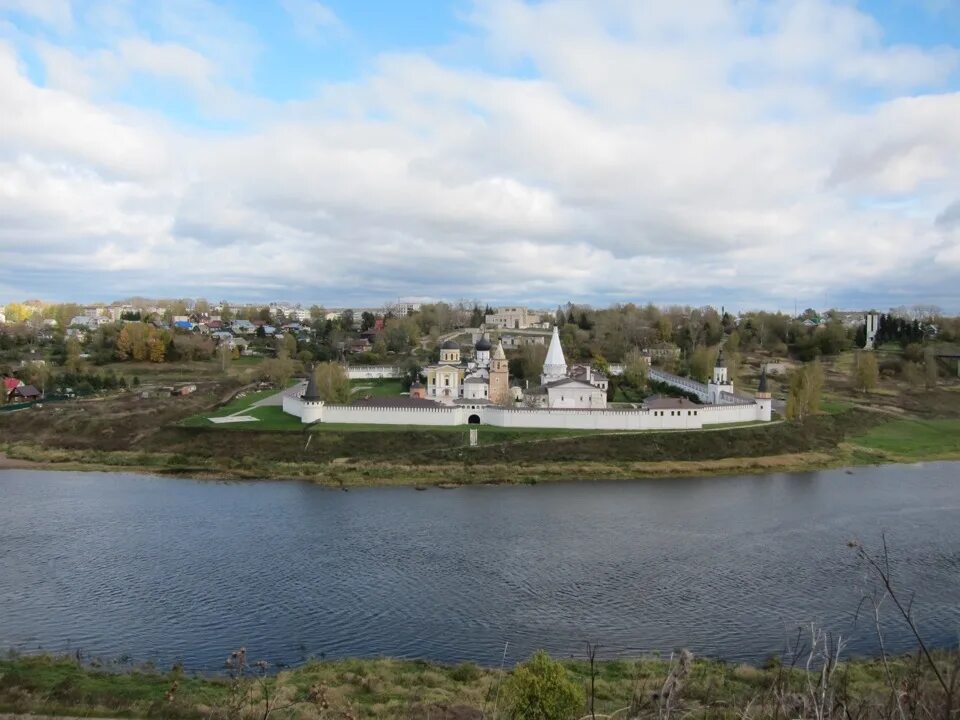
x=540, y=689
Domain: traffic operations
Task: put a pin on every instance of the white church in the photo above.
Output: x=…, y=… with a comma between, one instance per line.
x=477, y=392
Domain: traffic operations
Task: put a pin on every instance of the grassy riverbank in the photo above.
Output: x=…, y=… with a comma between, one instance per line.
x=395, y=689
x=163, y=435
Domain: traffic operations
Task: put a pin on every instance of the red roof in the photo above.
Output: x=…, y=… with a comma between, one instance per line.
x=11, y=382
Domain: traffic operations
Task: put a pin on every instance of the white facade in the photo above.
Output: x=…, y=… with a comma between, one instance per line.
x=573, y=394
x=373, y=372
x=689, y=418
x=475, y=388
x=511, y=318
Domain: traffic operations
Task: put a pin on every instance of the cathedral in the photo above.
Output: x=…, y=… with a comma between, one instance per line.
x=486, y=379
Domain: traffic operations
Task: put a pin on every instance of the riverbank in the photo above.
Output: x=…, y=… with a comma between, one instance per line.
x=395, y=689
x=337, y=458
x=159, y=435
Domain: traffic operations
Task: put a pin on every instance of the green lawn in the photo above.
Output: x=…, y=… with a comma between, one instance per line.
x=386, y=386
x=237, y=405
x=914, y=438
x=834, y=406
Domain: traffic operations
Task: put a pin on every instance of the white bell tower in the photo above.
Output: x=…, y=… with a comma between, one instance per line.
x=719, y=383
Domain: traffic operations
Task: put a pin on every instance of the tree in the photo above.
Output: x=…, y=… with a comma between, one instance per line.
x=635, y=368
x=701, y=363
x=72, y=363
x=806, y=386
x=346, y=320
x=156, y=349
x=290, y=344
x=276, y=370
x=18, y=312
x=540, y=689
x=317, y=313
x=367, y=320
x=225, y=355
x=866, y=373
x=332, y=383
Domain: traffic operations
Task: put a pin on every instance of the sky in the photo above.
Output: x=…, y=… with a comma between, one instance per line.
x=743, y=153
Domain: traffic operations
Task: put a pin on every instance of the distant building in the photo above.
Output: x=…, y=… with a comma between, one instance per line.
x=512, y=318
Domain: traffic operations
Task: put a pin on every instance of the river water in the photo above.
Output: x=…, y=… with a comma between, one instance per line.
x=168, y=569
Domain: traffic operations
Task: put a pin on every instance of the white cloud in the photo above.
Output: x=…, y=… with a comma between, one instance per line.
x=311, y=18
x=56, y=13
x=776, y=151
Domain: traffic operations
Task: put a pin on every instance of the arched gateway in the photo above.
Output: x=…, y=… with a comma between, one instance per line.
x=473, y=420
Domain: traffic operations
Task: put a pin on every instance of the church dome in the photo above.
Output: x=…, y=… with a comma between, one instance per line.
x=450, y=345
x=483, y=344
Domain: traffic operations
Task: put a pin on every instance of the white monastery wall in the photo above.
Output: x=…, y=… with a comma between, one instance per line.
x=393, y=416
x=373, y=372
x=666, y=419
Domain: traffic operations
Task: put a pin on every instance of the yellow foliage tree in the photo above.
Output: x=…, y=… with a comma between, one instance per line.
x=18, y=312
x=156, y=350
x=806, y=387
x=332, y=383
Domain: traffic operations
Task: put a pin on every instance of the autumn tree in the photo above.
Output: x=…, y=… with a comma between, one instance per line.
x=156, y=349
x=865, y=374
x=18, y=312
x=806, y=387
x=635, y=368
x=701, y=363
x=277, y=370
x=332, y=382
x=72, y=363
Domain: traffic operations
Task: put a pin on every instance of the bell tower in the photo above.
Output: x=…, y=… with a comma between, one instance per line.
x=499, y=377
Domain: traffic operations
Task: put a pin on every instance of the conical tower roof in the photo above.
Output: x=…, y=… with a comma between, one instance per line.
x=555, y=366
x=720, y=361
x=313, y=391
x=499, y=354
x=762, y=387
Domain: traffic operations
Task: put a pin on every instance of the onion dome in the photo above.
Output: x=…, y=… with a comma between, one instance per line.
x=720, y=360
x=483, y=345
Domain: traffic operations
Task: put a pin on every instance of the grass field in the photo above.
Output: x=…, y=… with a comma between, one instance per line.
x=394, y=689
x=379, y=388
x=913, y=439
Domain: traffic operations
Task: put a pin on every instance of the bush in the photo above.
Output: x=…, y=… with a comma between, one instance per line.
x=540, y=689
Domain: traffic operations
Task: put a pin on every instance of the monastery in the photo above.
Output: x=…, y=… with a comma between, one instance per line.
x=477, y=391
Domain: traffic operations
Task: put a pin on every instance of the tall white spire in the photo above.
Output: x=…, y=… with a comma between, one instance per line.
x=555, y=366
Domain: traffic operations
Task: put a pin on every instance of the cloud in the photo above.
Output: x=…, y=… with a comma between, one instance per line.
x=603, y=151
x=312, y=19
x=55, y=13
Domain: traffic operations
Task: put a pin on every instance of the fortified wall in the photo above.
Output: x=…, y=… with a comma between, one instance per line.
x=693, y=418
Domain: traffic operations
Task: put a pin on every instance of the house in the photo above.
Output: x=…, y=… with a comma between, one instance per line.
x=10, y=384
x=25, y=393
x=360, y=346
x=243, y=327
x=586, y=373
x=183, y=325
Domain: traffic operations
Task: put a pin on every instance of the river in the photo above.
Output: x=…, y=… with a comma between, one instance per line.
x=170, y=569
